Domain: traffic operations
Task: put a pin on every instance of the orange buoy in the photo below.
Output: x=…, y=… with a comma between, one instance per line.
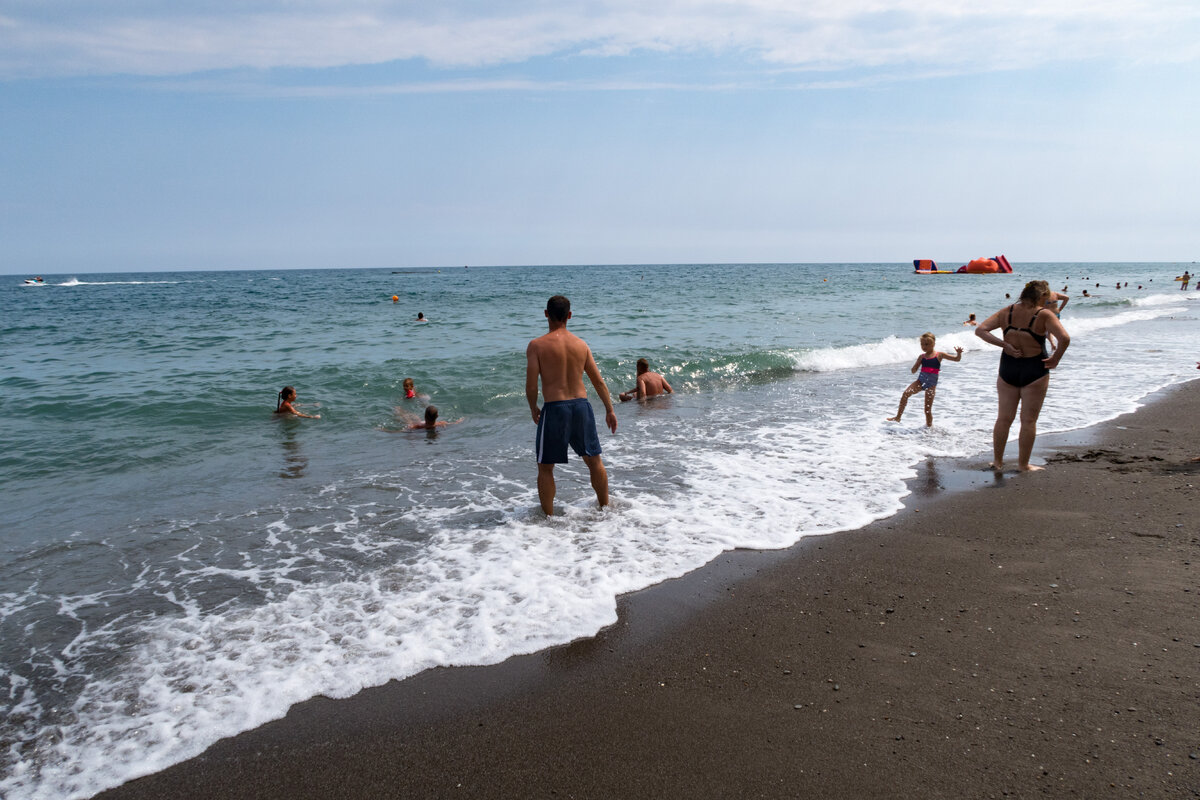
x=395, y=298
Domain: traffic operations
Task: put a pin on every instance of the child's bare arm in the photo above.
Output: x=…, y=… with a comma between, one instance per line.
x=958, y=351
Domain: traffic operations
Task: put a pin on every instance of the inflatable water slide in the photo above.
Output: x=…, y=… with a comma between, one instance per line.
x=976, y=266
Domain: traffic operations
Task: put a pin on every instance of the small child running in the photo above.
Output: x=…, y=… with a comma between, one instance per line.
x=283, y=404
x=929, y=362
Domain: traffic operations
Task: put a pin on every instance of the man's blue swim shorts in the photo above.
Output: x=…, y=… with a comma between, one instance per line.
x=566, y=422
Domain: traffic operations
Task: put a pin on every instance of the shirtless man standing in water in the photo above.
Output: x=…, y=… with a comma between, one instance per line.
x=560, y=359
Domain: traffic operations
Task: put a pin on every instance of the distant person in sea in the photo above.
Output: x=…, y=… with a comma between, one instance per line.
x=649, y=384
x=1183, y=282
x=1024, y=367
x=431, y=421
x=412, y=422
x=971, y=321
x=284, y=404
x=421, y=317
x=560, y=359
x=930, y=364
x=1055, y=303
x=410, y=390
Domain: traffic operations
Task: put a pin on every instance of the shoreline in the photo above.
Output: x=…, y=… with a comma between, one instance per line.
x=1032, y=634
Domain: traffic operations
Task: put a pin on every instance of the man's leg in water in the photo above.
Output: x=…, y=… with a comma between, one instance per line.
x=599, y=478
x=545, y=483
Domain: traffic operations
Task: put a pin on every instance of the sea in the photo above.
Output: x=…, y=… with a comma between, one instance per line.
x=179, y=564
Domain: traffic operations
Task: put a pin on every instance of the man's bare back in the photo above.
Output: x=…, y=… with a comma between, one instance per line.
x=649, y=384
x=560, y=358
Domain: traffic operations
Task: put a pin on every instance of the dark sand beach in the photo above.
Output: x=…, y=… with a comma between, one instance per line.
x=1031, y=635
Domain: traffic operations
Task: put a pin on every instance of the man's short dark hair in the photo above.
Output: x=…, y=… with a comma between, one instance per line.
x=643, y=365
x=431, y=413
x=557, y=308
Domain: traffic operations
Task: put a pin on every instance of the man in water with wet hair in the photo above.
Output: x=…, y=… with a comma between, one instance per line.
x=649, y=384
x=560, y=359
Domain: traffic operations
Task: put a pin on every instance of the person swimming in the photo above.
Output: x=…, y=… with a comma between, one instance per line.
x=431, y=421
x=410, y=391
x=284, y=401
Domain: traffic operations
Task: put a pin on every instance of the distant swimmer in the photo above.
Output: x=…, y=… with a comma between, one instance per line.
x=930, y=364
x=410, y=391
x=283, y=404
x=560, y=359
x=649, y=384
x=421, y=317
x=431, y=421
x=1054, y=303
x=971, y=321
x=1183, y=282
x=1057, y=301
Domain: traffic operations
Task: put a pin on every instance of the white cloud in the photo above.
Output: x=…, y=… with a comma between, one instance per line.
x=74, y=37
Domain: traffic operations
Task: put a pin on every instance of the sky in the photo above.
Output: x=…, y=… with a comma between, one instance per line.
x=143, y=135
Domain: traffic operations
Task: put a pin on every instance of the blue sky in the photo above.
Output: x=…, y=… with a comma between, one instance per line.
x=143, y=135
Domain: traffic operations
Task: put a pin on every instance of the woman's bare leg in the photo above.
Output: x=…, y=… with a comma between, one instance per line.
x=1009, y=397
x=1032, y=397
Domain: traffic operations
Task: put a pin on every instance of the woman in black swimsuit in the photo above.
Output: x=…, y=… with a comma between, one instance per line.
x=1025, y=367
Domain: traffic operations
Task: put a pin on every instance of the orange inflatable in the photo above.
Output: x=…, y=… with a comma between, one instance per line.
x=980, y=266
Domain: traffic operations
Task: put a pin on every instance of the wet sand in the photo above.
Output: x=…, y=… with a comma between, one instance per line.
x=1027, y=635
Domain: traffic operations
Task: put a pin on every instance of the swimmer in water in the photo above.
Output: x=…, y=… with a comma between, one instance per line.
x=283, y=404
x=431, y=421
x=410, y=391
x=649, y=384
x=421, y=317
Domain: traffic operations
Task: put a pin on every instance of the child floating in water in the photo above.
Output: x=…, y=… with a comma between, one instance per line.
x=409, y=389
x=283, y=404
x=929, y=362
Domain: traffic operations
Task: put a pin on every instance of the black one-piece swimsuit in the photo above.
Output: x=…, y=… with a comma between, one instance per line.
x=1021, y=372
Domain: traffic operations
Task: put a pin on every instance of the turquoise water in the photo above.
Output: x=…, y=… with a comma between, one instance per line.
x=177, y=564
